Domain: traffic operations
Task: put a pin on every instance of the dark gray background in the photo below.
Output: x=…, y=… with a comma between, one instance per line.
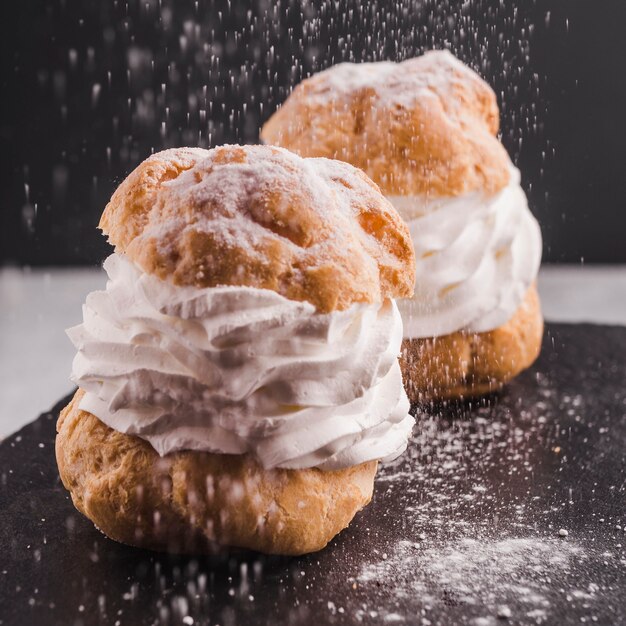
x=90, y=87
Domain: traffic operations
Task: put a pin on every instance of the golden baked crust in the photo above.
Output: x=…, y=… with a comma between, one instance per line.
x=193, y=501
x=260, y=216
x=426, y=126
x=471, y=364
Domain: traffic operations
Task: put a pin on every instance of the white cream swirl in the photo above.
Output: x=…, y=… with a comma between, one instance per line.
x=237, y=370
x=476, y=257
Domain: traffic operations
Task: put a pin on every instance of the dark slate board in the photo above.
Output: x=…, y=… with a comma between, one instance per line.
x=464, y=529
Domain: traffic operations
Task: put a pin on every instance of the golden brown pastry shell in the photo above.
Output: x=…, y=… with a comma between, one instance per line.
x=260, y=216
x=195, y=501
x=426, y=127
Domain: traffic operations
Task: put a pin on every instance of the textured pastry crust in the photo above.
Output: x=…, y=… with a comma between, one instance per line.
x=194, y=501
x=260, y=216
x=462, y=364
x=426, y=126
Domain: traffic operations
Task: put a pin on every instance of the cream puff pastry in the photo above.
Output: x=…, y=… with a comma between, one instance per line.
x=425, y=131
x=239, y=377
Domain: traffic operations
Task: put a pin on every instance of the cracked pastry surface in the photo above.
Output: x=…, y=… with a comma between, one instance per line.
x=312, y=230
x=425, y=126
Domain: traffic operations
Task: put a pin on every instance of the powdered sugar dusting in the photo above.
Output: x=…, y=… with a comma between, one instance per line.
x=483, y=534
x=433, y=73
x=479, y=572
x=260, y=216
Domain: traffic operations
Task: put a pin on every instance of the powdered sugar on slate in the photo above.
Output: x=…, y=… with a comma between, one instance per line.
x=480, y=528
x=480, y=572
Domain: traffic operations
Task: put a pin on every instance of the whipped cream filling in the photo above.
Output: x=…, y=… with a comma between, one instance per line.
x=236, y=370
x=476, y=257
